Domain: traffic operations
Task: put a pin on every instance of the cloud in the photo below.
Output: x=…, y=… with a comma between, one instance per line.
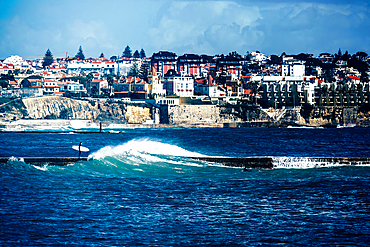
x=314, y=28
x=205, y=27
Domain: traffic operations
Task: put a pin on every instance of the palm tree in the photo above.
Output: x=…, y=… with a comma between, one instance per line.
x=110, y=80
x=89, y=79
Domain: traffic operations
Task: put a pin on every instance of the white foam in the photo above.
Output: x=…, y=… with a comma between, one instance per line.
x=306, y=163
x=141, y=147
x=42, y=168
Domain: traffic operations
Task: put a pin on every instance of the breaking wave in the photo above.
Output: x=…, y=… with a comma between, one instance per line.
x=144, y=157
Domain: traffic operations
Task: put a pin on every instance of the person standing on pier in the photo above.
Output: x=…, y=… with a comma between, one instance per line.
x=79, y=150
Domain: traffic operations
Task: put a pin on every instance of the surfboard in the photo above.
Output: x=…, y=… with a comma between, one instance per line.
x=83, y=149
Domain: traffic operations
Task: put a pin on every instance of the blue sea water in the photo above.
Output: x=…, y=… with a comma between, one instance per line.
x=139, y=189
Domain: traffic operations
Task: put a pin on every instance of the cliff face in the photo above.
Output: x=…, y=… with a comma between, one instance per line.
x=66, y=108
x=123, y=113
x=39, y=108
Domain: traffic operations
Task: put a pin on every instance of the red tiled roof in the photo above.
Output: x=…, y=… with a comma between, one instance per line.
x=97, y=80
x=354, y=77
x=247, y=91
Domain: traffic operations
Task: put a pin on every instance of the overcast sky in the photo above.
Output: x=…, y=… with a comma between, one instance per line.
x=28, y=28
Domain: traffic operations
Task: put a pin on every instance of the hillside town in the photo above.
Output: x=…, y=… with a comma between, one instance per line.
x=166, y=78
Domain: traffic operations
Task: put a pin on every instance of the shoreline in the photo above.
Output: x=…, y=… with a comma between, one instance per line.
x=119, y=128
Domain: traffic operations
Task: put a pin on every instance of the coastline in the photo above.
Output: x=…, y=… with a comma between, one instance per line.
x=88, y=126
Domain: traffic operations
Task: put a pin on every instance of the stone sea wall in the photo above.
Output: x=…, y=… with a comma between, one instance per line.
x=66, y=108
x=183, y=115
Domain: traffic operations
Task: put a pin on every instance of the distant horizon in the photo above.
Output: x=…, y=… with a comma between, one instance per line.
x=29, y=28
x=120, y=56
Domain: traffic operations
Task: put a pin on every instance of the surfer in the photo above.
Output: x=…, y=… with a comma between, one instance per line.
x=79, y=150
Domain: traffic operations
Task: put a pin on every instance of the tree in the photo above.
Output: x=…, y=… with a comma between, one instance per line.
x=48, y=59
x=127, y=52
x=144, y=70
x=136, y=54
x=275, y=59
x=142, y=53
x=362, y=56
x=89, y=79
x=110, y=80
x=101, y=55
x=346, y=56
x=4, y=83
x=80, y=55
x=134, y=71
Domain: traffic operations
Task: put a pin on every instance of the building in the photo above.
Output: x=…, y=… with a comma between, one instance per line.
x=230, y=65
x=155, y=87
x=292, y=67
x=50, y=86
x=189, y=64
x=72, y=87
x=96, y=85
x=131, y=87
x=164, y=61
x=207, y=86
x=231, y=84
x=175, y=84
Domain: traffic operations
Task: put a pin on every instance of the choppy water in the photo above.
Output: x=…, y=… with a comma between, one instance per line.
x=140, y=190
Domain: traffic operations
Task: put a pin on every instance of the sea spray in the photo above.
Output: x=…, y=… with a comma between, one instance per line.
x=143, y=146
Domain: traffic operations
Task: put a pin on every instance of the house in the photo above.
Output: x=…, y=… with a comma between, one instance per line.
x=50, y=86
x=189, y=64
x=207, y=86
x=292, y=67
x=164, y=61
x=14, y=84
x=155, y=87
x=258, y=57
x=131, y=87
x=31, y=83
x=96, y=85
x=175, y=84
x=72, y=87
x=231, y=84
x=229, y=64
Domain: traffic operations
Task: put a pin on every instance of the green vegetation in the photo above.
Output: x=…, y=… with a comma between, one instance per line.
x=80, y=54
x=51, y=116
x=127, y=52
x=142, y=53
x=5, y=100
x=65, y=113
x=48, y=59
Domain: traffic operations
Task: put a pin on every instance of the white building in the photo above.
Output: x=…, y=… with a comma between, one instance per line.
x=259, y=57
x=209, y=88
x=182, y=86
x=50, y=86
x=72, y=87
x=17, y=62
x=156, y=87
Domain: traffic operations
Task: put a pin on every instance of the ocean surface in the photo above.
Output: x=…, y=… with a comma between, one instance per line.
x=139, y=189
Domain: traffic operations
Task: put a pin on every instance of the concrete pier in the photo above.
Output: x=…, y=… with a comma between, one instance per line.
x=242, y=162
x=247, y=162
x=40, y=161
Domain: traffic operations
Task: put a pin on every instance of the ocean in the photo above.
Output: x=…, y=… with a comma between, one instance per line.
x=138, y=188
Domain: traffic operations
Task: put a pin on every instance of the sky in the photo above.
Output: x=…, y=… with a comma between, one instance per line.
x=29, y=27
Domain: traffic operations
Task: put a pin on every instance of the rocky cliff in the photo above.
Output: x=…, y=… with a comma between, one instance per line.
x=66, y=108
x=125, y=113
